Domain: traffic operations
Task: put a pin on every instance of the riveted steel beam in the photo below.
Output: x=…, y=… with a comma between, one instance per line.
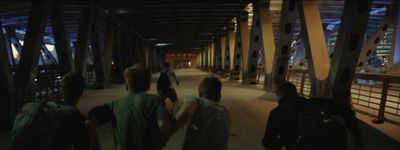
x=285, y=38
x=84, y=32
x=27, y=67
x=373, y=41
x=238, y=57
x=255, y=45
x=348, y=47
x=217, y=55
x=230, y=44
x=314, y=40
x=61, y=38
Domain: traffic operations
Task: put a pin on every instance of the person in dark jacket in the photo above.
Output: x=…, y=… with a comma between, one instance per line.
x=282, y=127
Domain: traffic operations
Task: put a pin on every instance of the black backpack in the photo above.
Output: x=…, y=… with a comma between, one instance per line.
x=163, y=82
x=37, y=123
x=319, y=129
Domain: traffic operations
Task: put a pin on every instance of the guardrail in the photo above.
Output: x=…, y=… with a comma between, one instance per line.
x=376, y=95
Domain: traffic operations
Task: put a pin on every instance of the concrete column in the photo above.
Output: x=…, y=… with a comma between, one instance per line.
x=97, y=56
x=223, y=52
x=231, y=47
x=348, y=47
x=245, y=44
x=212, y=54
x=217, y=55
x=237, y=57
x=316, y=49
x=268, y=43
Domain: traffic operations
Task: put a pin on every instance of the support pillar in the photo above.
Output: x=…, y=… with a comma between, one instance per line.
x=373, y=41
x=268, y=43
x=231, y=48
x=394, y=58
x=27, y=67
x=349, y=43
x=217, y=55
x=108, y=51
x=281, y=56
x=313, y=37
x=255, y=46
x=245, y=45
x=61, y=38
x=223, y=54
x=97, y=55
x=84, y=32
x=237, y=59
x=6, y=86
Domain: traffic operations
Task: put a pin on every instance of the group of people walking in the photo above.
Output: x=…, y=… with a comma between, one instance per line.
x=142, y=121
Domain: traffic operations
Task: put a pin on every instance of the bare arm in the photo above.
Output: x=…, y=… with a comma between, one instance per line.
x=91, y=126
x=184, y=114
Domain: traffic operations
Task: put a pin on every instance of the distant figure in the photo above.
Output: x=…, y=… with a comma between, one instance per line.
x=52, y=125
x=165, y=83
x=140, y=120
x=209, y=122
x=282, y=128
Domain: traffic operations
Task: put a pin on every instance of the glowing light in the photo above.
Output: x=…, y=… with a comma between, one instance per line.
x=164, y=44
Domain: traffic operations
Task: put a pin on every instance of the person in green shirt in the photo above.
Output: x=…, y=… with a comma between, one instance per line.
x=140, y=120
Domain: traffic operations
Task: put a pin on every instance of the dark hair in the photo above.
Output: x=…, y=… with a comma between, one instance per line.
x=287, y=89
x=166, y=65
x=138, y=78
x=210, y=88
x=72, y=85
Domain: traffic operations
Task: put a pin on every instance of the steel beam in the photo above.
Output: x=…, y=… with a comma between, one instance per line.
x=97, y=55
x=6, y=80
x=82, y=43
x=61, y=38
x=394, y=58
x=245, y=44
x=217, y=54
x=255, y=46
x=27, y=66
x=111, y=27
x=231, y=47
x=316, y=50
x=373, y=41
x=285, y=38
x=237, y=57
x=223, y=53
x=348, y=47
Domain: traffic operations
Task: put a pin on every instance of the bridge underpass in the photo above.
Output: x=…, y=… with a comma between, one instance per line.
x=325, y=47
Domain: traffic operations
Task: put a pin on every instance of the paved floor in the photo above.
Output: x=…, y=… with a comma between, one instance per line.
x=248, y=106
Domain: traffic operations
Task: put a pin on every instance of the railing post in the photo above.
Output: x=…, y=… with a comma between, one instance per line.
x=382, y=105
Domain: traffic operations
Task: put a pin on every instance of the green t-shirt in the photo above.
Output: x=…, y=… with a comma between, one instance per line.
x=135, y=121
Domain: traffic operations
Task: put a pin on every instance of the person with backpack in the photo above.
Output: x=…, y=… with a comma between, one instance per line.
x=209, y=122
x=282, y=128
x=140, y=120
x=53, y=125
x=165, y=83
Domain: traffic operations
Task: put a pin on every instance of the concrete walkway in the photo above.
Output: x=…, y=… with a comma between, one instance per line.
x=248, y=106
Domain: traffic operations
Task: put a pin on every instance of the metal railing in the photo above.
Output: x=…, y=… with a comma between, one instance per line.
x=47, y=81
x=376, y=95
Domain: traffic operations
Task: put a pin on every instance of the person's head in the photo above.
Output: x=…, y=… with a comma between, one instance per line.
x=210, y=88
x=166, y=65
x=286, y=89
x=72, y=85
x=137, y=78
